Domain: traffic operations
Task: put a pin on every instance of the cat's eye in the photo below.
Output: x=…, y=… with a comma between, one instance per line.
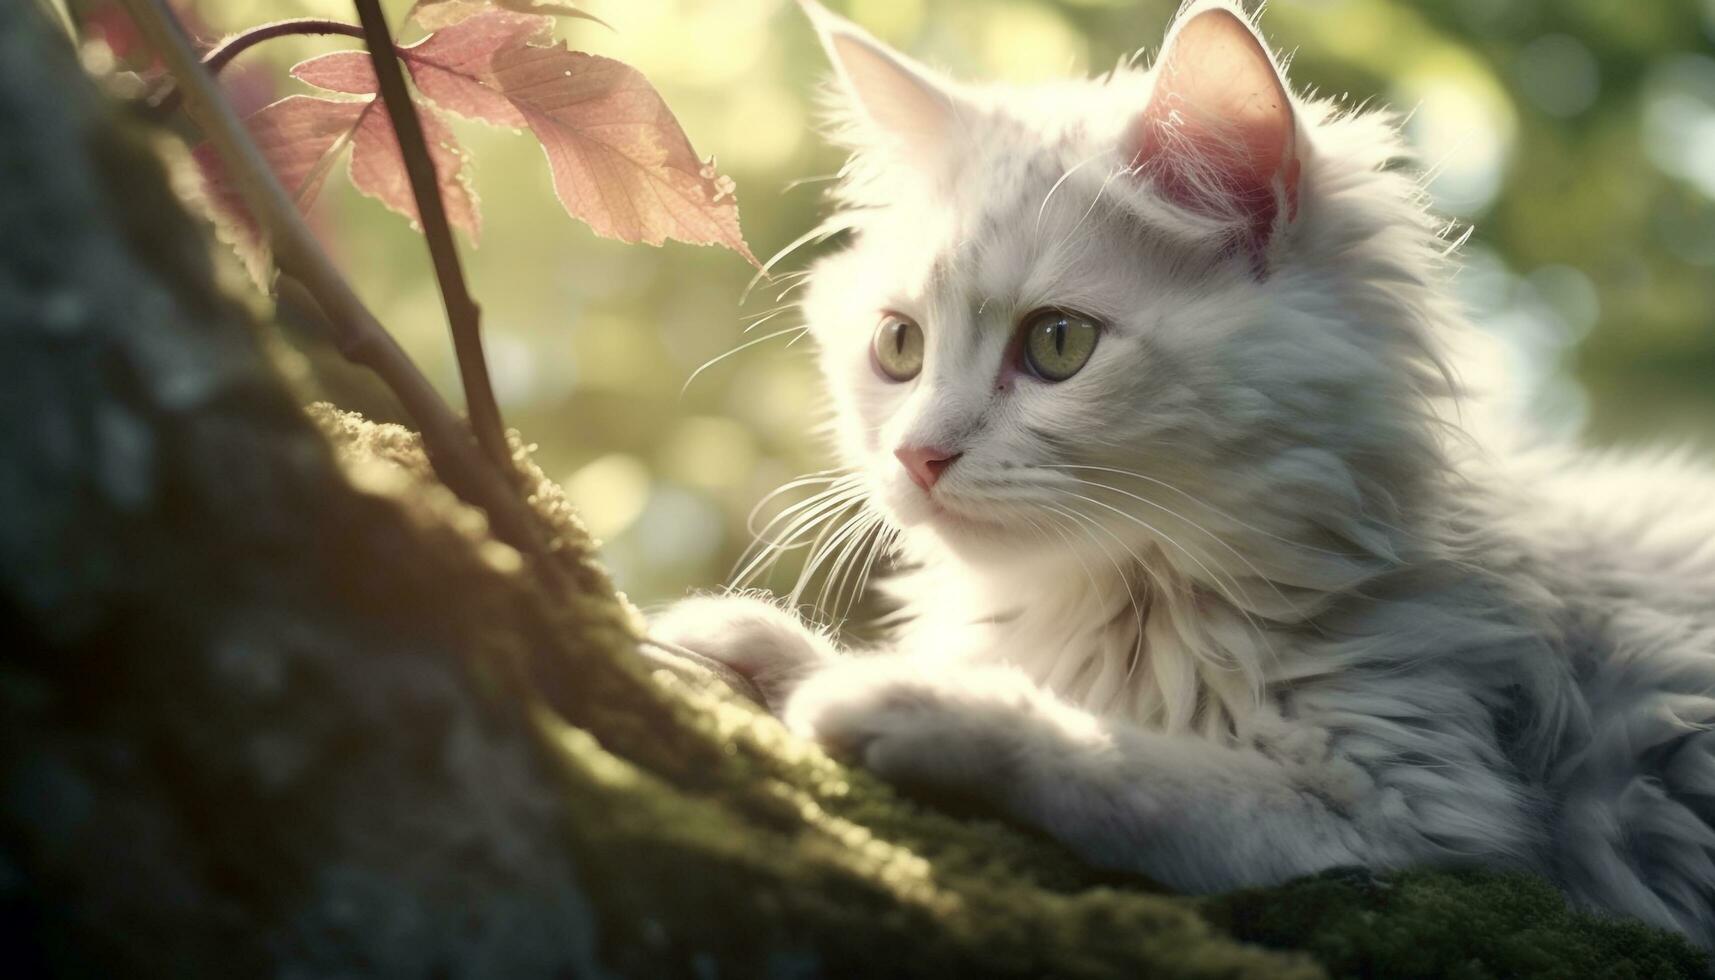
x=898, y=347
x=1058, y=343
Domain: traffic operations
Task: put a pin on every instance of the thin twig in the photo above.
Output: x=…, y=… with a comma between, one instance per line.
x=236, y=45
x=167, y=102
x=454, y=454
x=464, y=318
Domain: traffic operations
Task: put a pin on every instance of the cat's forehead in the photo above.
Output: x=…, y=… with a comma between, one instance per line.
x=1024, y=209
x=1035, y=203
x=1010, y=161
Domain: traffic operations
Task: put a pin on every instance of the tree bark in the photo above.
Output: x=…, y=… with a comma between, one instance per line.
x=273, y=702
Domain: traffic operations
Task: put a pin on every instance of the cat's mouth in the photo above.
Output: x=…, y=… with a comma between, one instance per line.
x=939, y=511
x=956, y=514
x=946, y=514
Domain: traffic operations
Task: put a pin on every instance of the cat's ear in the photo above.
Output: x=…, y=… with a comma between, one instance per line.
x=1219, y=135
x=902, y=104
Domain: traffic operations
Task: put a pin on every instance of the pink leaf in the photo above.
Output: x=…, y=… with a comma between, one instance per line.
x=453, y=66
x=378, y=170
x=435, y=14
x=620, y=161
x=296, y=136
x=350, y=72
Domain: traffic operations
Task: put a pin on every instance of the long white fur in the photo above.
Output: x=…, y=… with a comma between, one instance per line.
x=1312, y=604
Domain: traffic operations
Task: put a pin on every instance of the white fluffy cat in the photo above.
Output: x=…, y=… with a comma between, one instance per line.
x=1207, y=571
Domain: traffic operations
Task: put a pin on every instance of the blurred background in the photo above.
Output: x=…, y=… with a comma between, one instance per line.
x=1576, y=136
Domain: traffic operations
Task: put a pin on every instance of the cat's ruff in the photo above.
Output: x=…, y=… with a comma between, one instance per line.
x=1256, y=592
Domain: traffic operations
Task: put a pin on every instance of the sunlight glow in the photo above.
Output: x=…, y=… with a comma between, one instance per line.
x=609, y=493
x=1679, y=120
x=1463, y=133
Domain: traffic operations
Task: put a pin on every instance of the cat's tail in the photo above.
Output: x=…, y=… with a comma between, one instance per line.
x=1637, y=824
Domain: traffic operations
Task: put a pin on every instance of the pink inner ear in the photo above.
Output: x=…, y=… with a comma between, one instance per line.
x=1218, y=135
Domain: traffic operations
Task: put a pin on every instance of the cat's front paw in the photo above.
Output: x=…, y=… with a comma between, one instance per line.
x=950, y=733
x=763, y=643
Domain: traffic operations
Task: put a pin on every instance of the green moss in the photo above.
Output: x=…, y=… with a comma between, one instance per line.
x=712, y=842
x=1449, y=924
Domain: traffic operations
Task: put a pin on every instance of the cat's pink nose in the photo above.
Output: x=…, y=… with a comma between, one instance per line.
x=925, y=463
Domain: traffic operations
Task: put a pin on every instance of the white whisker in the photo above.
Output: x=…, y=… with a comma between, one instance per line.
x=1217, y=539
x=721, y=357
x=1040, y=211
x=1216, y=580
x=799, y=518
x=1218, y=512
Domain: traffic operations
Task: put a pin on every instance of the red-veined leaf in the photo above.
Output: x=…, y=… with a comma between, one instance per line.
x=300, y=135
x=378, y=169
x=620, y=161
x=350, y=72
x=296, y=133
x=435, y=14
x=296, y=136
x=452, y=66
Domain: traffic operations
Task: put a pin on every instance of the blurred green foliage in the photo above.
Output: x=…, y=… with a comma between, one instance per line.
x=1576, y=136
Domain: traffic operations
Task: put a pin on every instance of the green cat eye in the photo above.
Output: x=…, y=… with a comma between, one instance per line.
x=1057, y=343
x=898, y=347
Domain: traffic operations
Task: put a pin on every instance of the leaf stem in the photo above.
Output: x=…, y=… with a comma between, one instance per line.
x=447, y=440
x=164, y=104
x=464, y=317
x=236, y=45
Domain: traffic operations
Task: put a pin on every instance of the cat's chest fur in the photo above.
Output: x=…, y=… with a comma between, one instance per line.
x=1118, y=645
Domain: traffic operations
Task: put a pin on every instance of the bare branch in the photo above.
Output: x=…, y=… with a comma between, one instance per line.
x=167, y=102
x=236, y=45
x=463, y=316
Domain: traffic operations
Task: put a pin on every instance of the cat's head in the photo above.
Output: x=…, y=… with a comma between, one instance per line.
x=1161, y=309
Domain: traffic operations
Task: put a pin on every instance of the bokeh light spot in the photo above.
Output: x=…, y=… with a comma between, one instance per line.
x=609, y=492
x=1462, y=129
x=1558, y=74
x=709, y=452
x=1026, y=42
x=1679, y=119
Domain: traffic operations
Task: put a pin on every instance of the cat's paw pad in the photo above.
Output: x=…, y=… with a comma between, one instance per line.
x=763, y=643
x=952, y=735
